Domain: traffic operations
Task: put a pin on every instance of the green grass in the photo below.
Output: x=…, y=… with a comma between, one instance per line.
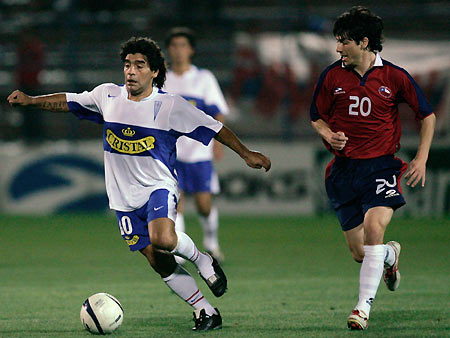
x=288, y=277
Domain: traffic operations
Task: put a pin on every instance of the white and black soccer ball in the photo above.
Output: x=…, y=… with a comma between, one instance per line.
x=101, y=313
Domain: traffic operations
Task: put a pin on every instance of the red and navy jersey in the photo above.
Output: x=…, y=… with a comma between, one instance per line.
x=366, y=108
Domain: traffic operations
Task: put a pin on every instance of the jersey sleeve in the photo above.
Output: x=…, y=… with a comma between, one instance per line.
x=322, y=98
x=214, y=100
x=187, y=120
x=87, y=105
x=411, y=93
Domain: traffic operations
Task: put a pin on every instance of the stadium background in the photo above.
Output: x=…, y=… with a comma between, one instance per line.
x=290, y=273
x=266, y=55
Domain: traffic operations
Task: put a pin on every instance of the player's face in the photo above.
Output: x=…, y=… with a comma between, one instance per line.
x=138, y=75
x=180, y=50
x=350, y=52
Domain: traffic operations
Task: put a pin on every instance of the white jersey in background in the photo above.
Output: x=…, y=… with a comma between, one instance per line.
x=200, y=88
x=139, y=139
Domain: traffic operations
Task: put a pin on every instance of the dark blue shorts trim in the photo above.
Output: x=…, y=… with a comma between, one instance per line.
x=194, y=177
x=355, y=186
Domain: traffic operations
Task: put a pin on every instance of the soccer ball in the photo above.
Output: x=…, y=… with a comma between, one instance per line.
x=101, y=314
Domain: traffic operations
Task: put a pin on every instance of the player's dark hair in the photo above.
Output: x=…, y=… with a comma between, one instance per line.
x=151, y=50
x=360, y=22
x=181, y=31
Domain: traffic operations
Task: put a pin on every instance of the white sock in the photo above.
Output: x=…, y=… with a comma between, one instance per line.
x=179, y=223
x=370, y=276
x=210, y=227
x=180, y=226
x=182, y=283
x=389, y=258
x=187, y=249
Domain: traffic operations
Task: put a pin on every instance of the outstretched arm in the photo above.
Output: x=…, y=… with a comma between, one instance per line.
x=253, y=159
x=417, y=168
x=53, y=102
x=336, y=140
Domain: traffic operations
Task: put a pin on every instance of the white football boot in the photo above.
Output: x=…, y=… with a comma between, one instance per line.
x=357, y=320
x=391, y=274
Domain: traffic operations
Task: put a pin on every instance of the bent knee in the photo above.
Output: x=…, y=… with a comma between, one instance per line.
x=357, y=254
x=204, y=209
x=166, y=241
x=204, y=212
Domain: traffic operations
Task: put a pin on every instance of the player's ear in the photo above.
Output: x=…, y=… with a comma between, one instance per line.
x=364, y=43
x=155, y=74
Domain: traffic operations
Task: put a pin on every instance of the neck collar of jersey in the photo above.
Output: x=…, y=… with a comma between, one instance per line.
x=378, y=61
x=155, y=91
x=192, y=70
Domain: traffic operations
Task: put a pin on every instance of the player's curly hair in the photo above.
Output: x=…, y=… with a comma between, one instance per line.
x=151, y=50
x=360, y=22
x=181, y=31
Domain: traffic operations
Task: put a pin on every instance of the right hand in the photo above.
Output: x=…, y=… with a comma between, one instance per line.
x=18, y=98
x=338, y=140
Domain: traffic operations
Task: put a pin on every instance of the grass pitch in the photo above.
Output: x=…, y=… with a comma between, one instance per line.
x=288, y=277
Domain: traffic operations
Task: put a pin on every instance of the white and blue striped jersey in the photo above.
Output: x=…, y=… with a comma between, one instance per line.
x=200, y=88
x=139, y=139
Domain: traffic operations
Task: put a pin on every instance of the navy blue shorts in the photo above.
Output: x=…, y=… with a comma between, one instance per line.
x=354, y=186
x=197, y=177
x=133, y=225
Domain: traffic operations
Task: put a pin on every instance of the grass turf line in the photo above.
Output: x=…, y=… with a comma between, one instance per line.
x=288, y=277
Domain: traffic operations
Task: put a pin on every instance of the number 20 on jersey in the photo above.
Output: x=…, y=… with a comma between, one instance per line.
x=359, y=106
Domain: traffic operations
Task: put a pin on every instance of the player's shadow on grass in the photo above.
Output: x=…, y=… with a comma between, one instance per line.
x=167, y=324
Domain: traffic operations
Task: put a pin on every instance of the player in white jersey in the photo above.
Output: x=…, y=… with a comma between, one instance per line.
x=195, y=170
x=141, y=126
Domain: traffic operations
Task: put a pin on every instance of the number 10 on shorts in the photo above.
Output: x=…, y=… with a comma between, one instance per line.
x=125, y=226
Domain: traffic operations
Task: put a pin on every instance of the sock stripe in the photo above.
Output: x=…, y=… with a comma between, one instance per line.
x=195, y=293
x=197, y=300
x=196, y=254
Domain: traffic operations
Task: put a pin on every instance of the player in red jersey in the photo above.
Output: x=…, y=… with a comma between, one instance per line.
x=355, y=111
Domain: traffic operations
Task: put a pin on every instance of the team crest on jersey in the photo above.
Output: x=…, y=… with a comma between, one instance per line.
x=338, y=91
x=385, y=92
x=156, y=109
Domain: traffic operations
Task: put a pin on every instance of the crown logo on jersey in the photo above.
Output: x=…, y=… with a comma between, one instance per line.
x=128, y=132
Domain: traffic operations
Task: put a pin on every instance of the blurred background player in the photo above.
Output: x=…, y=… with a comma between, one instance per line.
x=355, y=111
x=139, y=153
x=195, y=169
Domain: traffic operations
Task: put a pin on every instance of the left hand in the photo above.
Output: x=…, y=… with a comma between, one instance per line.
x=416, y=173
x=255, y=159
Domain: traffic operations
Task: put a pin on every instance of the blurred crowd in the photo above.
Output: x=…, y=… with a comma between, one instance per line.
x=266, y=55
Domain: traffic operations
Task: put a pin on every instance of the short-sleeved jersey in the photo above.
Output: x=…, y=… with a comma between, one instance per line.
x=200, y=88
x=139, y=139
x=366, y=108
